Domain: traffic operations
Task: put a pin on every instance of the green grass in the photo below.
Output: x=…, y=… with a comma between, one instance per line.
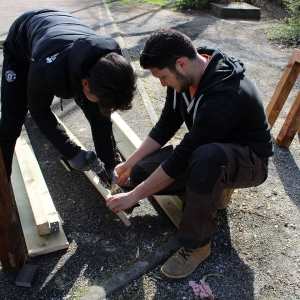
x=287, y=33
x=160, y=3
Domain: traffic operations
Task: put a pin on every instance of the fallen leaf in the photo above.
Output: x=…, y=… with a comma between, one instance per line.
x=202, y=290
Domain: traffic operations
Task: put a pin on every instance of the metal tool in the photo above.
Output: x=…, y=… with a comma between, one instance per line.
x=98, y=167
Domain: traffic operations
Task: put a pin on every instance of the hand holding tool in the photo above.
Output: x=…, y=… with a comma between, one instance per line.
x=98, y=167
x=79, y=162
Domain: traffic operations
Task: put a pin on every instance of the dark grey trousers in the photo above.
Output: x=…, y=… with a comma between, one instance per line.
x=211, y=169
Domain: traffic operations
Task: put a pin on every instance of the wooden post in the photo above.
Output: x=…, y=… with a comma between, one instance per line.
x=290, y=125
x=284, y=87
x=292, y=122
x=12, y=247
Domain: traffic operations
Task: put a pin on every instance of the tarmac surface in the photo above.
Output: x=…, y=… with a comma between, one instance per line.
x=106, y=259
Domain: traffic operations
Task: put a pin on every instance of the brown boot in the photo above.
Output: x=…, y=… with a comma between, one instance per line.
x=184, y=262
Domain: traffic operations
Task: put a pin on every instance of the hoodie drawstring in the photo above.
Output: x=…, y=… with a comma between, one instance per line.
x=189, y=105
x=174, y=101
x=196, y=107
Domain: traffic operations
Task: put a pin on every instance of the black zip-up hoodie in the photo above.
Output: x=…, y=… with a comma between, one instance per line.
x=227, y=108
x=60, y=50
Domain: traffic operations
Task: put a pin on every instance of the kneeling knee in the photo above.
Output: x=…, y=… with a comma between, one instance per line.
x=208, y=156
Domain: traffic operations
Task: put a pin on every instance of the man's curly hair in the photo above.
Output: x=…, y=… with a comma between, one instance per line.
x=113, y=80
x=166, y=45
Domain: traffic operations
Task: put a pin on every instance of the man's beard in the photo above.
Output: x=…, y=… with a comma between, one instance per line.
x=184, y=82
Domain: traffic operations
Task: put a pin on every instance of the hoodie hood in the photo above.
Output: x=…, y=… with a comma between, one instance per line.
x=84, y=54
x=221, y=68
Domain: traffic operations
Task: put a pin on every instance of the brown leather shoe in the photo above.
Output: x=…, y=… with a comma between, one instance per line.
x=184, y=262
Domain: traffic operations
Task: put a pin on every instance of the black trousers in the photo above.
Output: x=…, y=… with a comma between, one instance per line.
x=211, y=169
x=13, y=105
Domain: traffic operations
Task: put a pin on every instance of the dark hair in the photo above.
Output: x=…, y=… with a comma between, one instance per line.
x=113, y=80
x=164, y=47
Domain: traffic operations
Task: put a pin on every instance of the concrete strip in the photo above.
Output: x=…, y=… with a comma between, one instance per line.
x=151, y=112
x=135, y=271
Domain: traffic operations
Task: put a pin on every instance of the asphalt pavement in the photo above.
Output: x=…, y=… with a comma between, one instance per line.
x=106, y=259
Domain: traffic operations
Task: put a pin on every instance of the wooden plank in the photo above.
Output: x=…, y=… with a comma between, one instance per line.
x=121, y=145
x=43, y=209
x=284, y=87
x=169, y=207
x=127, y=141
x=226, y=195
x=36, y=244
x=177, y=202
x=94, y=178
x=12, y=249
x=40, y=218
x=291, y=125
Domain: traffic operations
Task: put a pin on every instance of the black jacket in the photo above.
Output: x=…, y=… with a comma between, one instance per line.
x=227, y=109
x=59, y=50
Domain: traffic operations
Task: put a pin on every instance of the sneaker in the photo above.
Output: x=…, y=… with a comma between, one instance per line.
x=184, y=262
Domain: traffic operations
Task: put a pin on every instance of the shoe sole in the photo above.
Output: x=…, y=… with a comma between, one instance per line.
x=183, y=276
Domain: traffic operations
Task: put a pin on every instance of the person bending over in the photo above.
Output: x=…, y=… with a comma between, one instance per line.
x=51, y=53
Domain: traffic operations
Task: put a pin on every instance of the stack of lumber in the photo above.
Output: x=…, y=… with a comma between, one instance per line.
x=40, y=222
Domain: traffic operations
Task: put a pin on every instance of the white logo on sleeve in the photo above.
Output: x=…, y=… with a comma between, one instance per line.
x=10, y=76
x=51, y=59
